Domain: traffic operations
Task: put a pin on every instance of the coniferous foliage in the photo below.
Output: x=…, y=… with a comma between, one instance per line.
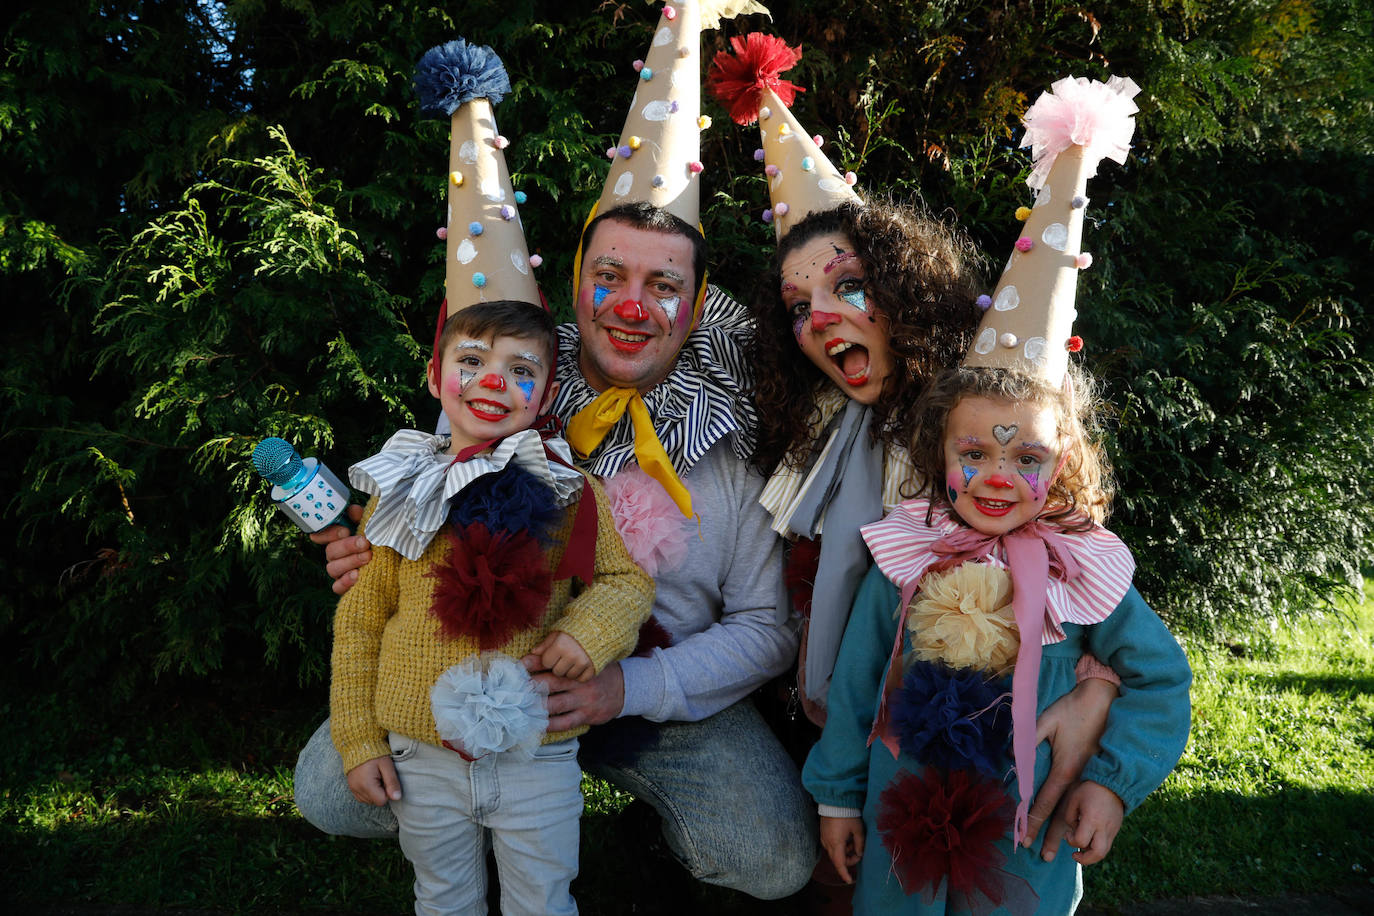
x=218, y=225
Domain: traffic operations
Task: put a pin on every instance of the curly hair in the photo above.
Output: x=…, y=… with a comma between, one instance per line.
x=920, y=272
x=1081, y=494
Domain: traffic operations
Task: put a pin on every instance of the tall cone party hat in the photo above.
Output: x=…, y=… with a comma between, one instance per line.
x=1029, y=319
x=801, y=179
x=658, y=158
x=485, y=258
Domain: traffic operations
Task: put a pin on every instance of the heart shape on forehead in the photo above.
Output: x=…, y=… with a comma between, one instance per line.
x=1003, y=434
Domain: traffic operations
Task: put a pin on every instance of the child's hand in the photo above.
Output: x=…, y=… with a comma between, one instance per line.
x=374, y=782
x=564, y=656
x=843, y=839
x=1094, y=814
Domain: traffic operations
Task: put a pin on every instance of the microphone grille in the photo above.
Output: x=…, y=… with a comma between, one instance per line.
x=276, y=460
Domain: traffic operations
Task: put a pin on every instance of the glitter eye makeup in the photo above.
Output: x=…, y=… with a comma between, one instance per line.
x=465, y=378
x=856, y=298
x=527, y=386
x=839, y=259
x=473, y=345
x=670, y=306
x=798, y=323
x=969, y=474
x=599, y=294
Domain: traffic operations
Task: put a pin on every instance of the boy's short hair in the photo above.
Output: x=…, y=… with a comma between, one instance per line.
x=502, y=318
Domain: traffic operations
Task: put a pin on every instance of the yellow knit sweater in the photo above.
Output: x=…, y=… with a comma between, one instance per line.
x=387, y=656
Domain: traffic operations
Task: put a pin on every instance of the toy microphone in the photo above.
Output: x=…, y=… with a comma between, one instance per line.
x=303, y=488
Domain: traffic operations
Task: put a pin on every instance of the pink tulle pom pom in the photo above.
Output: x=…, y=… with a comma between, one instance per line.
x=654, y=531
x=1080, y=112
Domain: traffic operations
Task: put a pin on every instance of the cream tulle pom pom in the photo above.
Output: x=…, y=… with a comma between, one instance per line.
x=964, y=618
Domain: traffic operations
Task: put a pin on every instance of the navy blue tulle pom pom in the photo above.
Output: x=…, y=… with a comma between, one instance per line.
x=509, y=500
x=458, y=72
x=953, y=719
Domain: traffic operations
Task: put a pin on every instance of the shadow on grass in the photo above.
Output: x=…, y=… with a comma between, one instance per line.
x=1335, y=685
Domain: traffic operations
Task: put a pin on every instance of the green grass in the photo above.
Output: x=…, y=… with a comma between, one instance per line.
x=182, y=799
x=1275, y=792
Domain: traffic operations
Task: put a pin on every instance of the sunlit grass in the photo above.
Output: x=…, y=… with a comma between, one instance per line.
x=1275, y=792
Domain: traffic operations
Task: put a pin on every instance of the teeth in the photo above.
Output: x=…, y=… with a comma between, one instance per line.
x=838, y=348
x=627, y=336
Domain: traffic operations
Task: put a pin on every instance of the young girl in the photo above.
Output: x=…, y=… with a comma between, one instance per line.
x=1005, y=553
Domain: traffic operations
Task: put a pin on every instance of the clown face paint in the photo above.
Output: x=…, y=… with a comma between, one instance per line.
x=822, y=288
x=997, y=465
x=507, y=374
x=624, y=347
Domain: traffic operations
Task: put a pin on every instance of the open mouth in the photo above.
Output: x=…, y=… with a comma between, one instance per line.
x=629, y=341
x=850, y=358
x=488, y=410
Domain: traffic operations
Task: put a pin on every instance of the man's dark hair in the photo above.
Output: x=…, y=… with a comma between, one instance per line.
x=644, y=215
x=502, y=318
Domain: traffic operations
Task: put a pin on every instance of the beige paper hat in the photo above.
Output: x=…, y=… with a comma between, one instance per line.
x=801, y=179
x=486, y=258
x=1029, y=319
x=658, y=158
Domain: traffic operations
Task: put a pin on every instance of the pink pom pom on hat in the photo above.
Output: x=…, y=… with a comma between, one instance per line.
x=1070, y=129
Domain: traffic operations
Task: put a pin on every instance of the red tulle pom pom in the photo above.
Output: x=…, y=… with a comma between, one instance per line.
x=936, y=827
x=493, y=586
x=738, y=80
x=652, y=635
x=800, y=575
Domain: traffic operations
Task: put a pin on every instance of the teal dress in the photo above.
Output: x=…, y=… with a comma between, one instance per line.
x=1145, y=735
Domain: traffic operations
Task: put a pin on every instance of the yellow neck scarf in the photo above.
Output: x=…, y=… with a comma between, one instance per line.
x=591, y=424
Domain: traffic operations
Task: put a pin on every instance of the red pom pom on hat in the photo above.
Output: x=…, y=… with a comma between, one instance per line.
x=738, y=80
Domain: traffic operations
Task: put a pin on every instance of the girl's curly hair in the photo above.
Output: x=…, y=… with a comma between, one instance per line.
x=1081, y=494
x=920, y=272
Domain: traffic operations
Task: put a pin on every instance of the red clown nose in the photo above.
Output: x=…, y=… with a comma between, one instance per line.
x=997, y=480
x=493, y=382
x=631, y=310
x=822, y=320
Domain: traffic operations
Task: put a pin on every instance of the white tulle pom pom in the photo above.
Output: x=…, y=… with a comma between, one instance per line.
x=490, y=705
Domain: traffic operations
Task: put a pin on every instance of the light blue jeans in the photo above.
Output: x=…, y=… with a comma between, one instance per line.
x=531, y=807
x=733, y=808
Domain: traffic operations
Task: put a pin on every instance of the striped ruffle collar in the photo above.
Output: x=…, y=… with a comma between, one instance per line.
x=902, y=544
x=702, y=400
x=413, y=481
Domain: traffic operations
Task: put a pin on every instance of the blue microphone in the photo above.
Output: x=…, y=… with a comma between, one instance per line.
x=303, y=488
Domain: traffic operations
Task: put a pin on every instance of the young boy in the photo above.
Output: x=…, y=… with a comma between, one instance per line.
x=472, y=570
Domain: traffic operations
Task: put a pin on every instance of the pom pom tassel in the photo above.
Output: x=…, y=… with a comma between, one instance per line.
x=490, y=706
x=454, y=73
x=1100, y=117
x=738, y=80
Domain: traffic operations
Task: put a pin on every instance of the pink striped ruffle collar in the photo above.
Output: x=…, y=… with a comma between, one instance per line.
x=903, y=544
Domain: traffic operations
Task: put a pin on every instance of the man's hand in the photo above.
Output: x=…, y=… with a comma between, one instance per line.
x=1094, y=814
x=374, y=782
x=572, y=704
x=344, y=554
x=1073, y=725
x=843, y=840
x=563, y=656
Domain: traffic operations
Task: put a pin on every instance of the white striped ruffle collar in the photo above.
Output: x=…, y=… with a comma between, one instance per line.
x=702, y=400
x=413, y=481
x=901, y=545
